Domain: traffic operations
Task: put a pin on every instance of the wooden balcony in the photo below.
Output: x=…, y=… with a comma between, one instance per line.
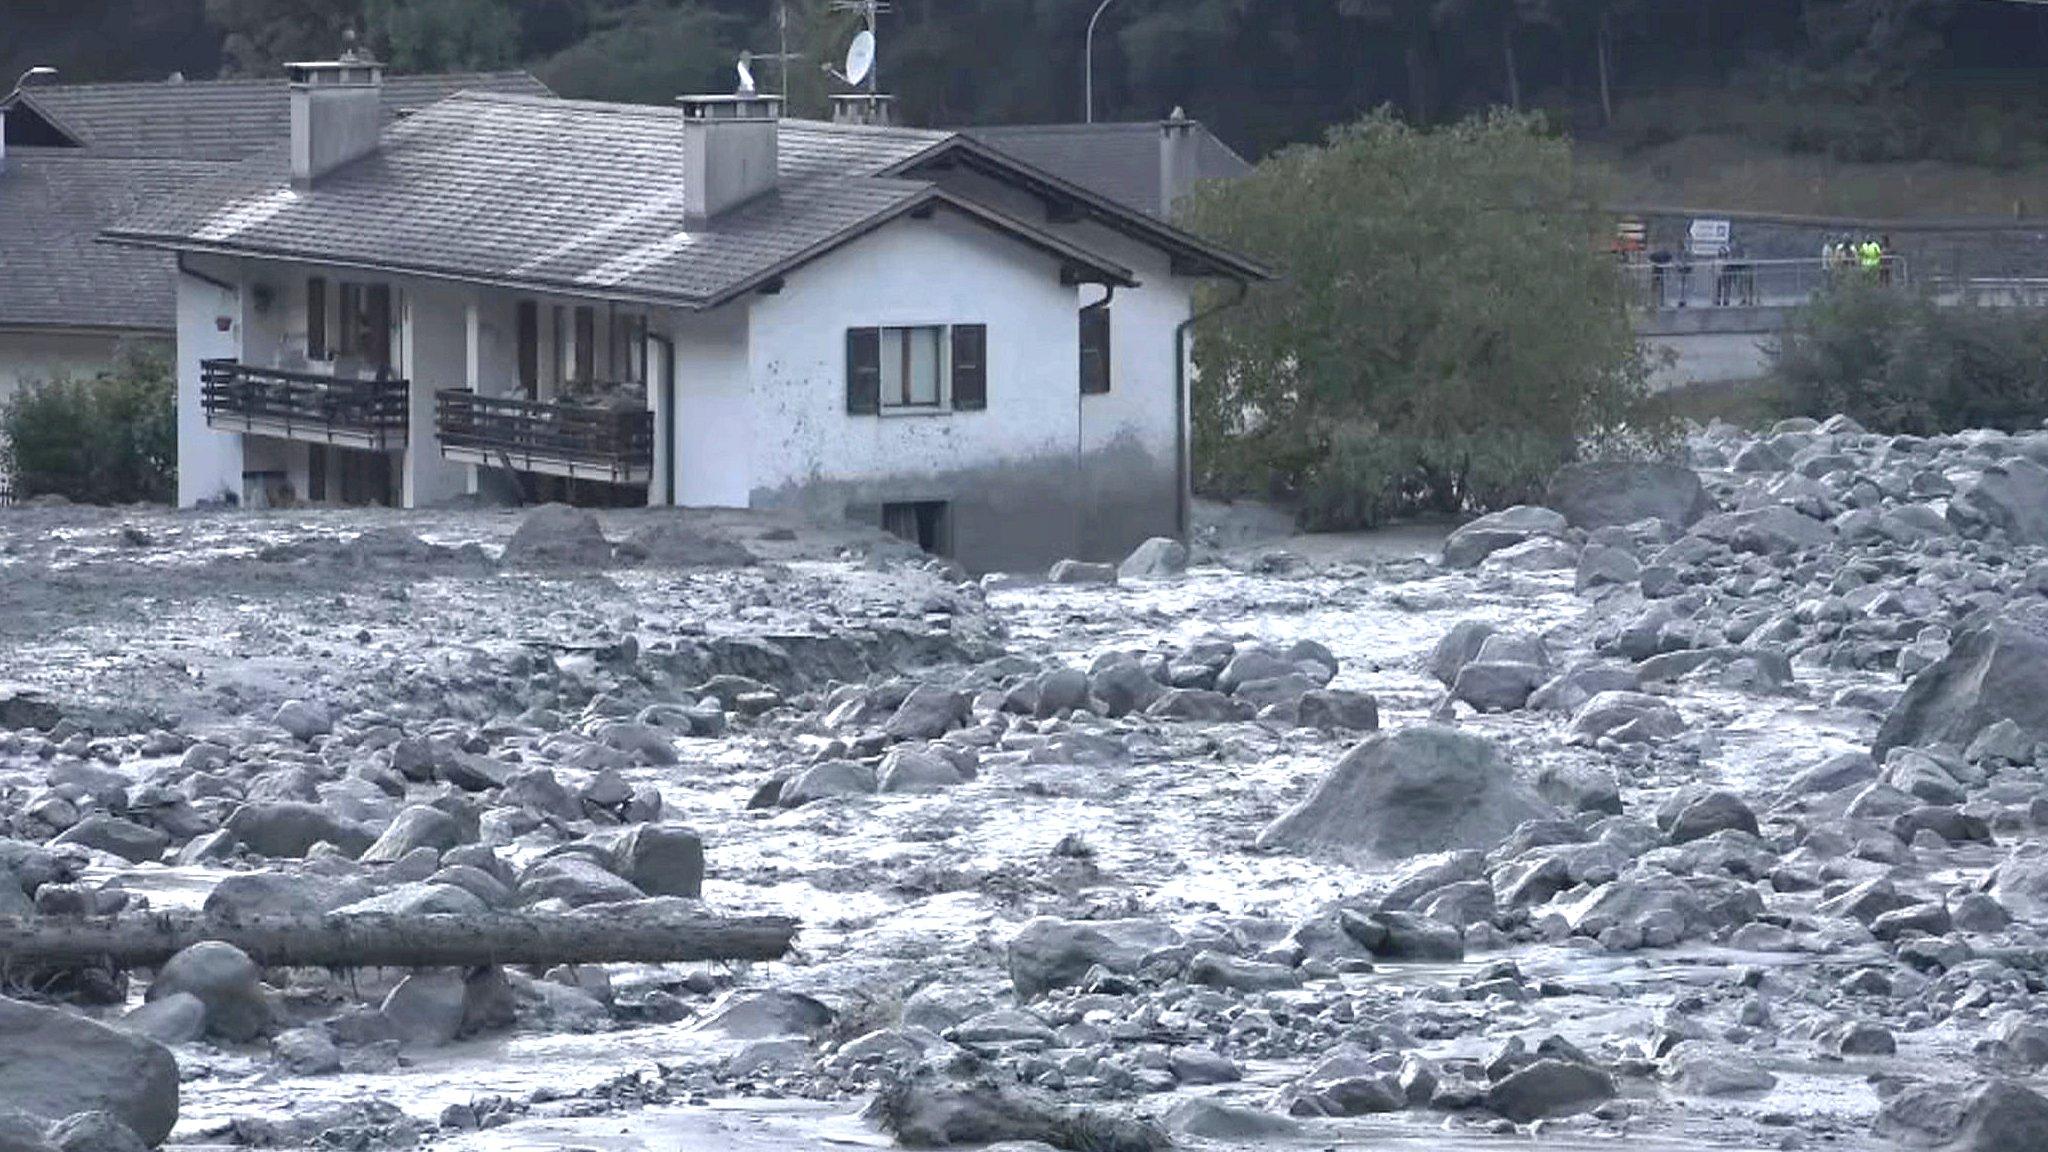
x=581, y=442
x=368, y=414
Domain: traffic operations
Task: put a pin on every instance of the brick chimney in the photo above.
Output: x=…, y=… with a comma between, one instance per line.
x=1177, y=160
x=337, y=114
x=730, y=151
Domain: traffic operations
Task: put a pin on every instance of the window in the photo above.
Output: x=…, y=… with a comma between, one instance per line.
x=529, y=349
x=349, y=332
x=365, y=328
x=909, y=369
x=316, y=319
x=1095, y=349
x=911, y=359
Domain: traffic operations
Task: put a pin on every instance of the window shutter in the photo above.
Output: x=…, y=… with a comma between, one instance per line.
x=529, y=349
x=863, y=371
x=586, y=345
x=1095, y=350
x=376, y=345
x=351, y=320
x=970, y=367
x=316, y=319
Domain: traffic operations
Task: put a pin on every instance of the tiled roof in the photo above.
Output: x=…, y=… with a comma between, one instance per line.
x=53, y=203
x=223, y=119
x=1120, y=161
x=573, y=196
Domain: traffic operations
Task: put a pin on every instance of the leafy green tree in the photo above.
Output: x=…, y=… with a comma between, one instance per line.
x=1874, y=46
x=650, y=53
x=446, y=35
x=110, y=439
x=1445, y=330
x=262, y=35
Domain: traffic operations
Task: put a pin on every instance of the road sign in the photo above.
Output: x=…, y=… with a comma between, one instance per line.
x=1708, y=237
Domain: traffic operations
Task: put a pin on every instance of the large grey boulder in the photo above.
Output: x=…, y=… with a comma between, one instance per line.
x=2003, y=1116
x=1402, y=793
x=54, y=1064
x=1549, y=1088
x=928, y=713
x=1770, y=531
x=418, y=826
x=1995, y=670
x=290, y=827
x=1497, y=531
x=1596, y=494
x=558, y=536
x=1052, y=953
x=2011, y=498
x=130, y=841
x=1160, y=558
x=224, y=979
x=661, y=859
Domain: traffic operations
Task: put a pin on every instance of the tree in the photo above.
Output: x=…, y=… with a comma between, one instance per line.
x=445, y=35
x=1875, y=45
x=262, y=35
x=649, y=53
x=110, y=439
x=1446, y=329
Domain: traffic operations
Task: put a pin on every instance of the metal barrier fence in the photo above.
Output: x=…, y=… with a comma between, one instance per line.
x=6, y=473
x=1739, y=283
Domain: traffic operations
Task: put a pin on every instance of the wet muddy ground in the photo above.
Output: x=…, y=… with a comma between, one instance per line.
x=202, y=624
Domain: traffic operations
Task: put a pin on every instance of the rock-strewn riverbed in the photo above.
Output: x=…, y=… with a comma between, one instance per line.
x=1703, y=809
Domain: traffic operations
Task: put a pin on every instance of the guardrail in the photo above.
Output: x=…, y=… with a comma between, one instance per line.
x=238, y=397
x=1741, y=283
x=578, y=441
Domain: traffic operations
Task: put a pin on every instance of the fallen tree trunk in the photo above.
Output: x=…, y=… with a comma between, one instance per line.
x=604, y=935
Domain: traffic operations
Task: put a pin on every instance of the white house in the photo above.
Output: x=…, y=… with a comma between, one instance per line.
x=708, y=305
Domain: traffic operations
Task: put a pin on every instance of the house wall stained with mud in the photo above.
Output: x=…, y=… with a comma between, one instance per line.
x=1015, y=475
x=1043, y=472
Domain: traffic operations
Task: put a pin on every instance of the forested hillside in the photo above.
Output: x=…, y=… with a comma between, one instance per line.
x=1858, y=80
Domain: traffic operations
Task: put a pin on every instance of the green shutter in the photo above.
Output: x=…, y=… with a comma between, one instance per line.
x=970, y=367
x=1095, y=350
x=863, y=371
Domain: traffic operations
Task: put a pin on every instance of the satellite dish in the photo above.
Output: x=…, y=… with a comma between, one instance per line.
x=860, y=57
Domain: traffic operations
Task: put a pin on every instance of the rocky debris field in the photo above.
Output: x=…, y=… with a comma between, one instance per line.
x=1702, y=807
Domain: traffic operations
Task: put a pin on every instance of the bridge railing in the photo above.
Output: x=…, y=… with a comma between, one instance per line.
x=1744, y=283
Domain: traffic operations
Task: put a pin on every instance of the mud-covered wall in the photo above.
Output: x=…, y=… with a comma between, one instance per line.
x=1008, y=472
x=713, y=424
x=210, y=325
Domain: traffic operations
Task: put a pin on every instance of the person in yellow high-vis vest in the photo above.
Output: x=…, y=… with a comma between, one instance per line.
x=1871, y=254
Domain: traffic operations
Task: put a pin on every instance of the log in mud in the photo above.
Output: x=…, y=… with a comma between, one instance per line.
x=616, y=936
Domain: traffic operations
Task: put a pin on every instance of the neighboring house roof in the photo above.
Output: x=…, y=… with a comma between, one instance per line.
x=583, y=198
x=219, y=119
x=1119, y=161
x=53, y=202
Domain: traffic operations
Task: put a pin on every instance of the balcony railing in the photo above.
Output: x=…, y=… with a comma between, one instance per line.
x=1736, y=282
x=367, y=414
x=578, y=441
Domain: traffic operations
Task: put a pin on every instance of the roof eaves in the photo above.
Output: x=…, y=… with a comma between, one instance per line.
x=27, y=96
x=1176, y=240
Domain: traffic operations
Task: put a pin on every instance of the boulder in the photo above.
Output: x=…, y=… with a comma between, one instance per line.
x=1597, y=494
x=1459, y=647
x=1160, y=558
x=224, y=979
x=2010, y=497
x=1537, y=554
x=1626, y=718
x=115, y=836
x=418, y=826
x=2020, y=883
x=916, y=769
x=2003, y=1116
x=304, y=721
x=1081, y=572
x=830, y=778
x=1657, y=909
x=575, y=880
x=94, y=1132
x=1051, y=953
x=1496, y=531
x=179, y=1018
x=1403, y=793
x=1123, y=687
x=1549, y=1088
x=1337, y=708
x=751, y=1014
x=1198, y=705
x=1996, y=669
x=1773, y=530
x=288, y=828
x=1695, y=816
x=928, y=713
x=558, y=536
x=55, y=1064
x=250, y=895
x=1496, y=685
x=661, y=859
x=675, y=542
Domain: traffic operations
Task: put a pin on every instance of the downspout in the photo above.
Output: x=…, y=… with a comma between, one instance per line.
x=1080, y=407
x=1184, y=480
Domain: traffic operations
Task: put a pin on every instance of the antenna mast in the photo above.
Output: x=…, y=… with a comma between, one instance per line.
x=869, y=11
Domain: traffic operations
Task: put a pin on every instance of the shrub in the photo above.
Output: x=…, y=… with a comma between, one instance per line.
x=1900, y=362
x=1446, y=328
x=109, y=439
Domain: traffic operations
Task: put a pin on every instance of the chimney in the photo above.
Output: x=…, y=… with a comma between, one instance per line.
x=1177, y=149
x=863, y=108
x=337, y=114
x=730, y=151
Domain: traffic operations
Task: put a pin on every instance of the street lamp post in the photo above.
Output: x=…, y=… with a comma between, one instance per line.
x=1090, y=69
x=33, y=73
